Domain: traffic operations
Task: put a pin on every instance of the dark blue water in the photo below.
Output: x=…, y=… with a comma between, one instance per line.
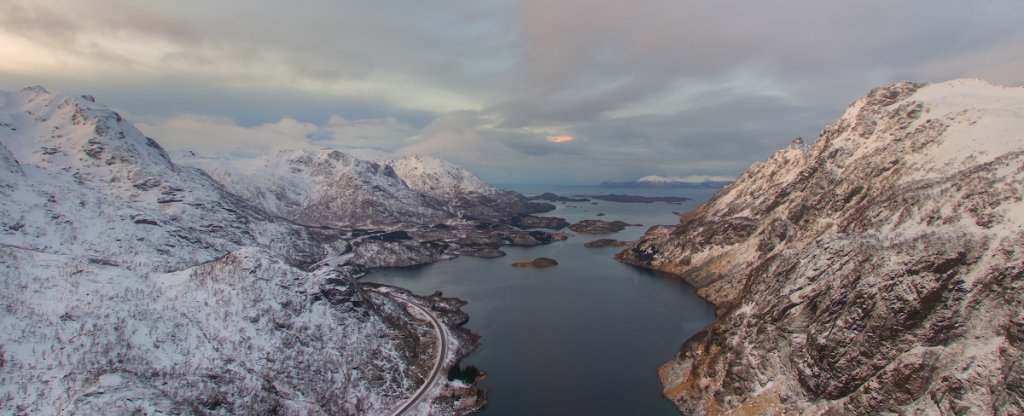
x=584, y=337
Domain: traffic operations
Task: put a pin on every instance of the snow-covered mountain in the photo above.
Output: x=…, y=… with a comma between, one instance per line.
x=880, y=270
x=657, y=182
x=324, y=188
x=132, y=284
x=88, y=176
x=334, y=189
x=463, y=194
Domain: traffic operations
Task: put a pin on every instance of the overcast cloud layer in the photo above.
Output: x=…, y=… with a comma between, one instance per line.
x=643, y=87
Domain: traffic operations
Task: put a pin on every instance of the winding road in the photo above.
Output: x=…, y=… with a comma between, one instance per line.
x=442, y=352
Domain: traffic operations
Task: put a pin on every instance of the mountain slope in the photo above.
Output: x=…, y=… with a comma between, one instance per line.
x=93, y=184
x=134, y=285
x=879, y=270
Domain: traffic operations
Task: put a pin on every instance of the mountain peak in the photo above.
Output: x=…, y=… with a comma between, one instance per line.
x=437, y=178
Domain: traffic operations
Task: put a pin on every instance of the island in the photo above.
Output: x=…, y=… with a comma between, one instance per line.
x=537, y=263
x=532, y=221
x=600, y=226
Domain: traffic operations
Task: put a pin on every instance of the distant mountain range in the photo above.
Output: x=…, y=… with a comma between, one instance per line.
x=673, y=182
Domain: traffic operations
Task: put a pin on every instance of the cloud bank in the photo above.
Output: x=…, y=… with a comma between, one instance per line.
x=644, y=87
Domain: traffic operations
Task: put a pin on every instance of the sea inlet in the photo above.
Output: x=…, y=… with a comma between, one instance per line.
x=584, y=337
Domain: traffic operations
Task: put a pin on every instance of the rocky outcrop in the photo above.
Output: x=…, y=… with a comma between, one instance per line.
x=600, y=226
x=537, y=263
x=878, y=271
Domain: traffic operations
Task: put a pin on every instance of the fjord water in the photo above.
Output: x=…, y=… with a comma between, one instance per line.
x=584, y=337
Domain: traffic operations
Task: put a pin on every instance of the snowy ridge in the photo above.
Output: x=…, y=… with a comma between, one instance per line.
x=334, y=189
x=323, y=188
x=878, y=270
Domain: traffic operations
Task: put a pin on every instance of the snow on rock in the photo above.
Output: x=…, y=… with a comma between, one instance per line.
x=10, y=170
x=879, y=270
x=9, y=166
x=244, y=334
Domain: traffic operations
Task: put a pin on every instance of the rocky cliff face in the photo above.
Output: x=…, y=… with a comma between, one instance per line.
x=879, y=270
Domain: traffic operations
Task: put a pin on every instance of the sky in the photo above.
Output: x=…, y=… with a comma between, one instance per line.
x=530, y=91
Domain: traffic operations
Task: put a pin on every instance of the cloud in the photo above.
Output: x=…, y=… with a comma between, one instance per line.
x=224, y=137
x=676, y=87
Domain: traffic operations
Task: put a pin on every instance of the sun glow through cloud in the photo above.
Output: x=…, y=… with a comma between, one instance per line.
x=560, y=139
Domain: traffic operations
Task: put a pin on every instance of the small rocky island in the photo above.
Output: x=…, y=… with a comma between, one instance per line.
x=600, y=226
x=532, y=221
x=537, y=263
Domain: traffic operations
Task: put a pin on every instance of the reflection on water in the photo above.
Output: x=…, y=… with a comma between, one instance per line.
x=584, y=337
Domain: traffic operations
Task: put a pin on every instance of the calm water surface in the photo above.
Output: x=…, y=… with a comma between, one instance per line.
x=584, y=337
